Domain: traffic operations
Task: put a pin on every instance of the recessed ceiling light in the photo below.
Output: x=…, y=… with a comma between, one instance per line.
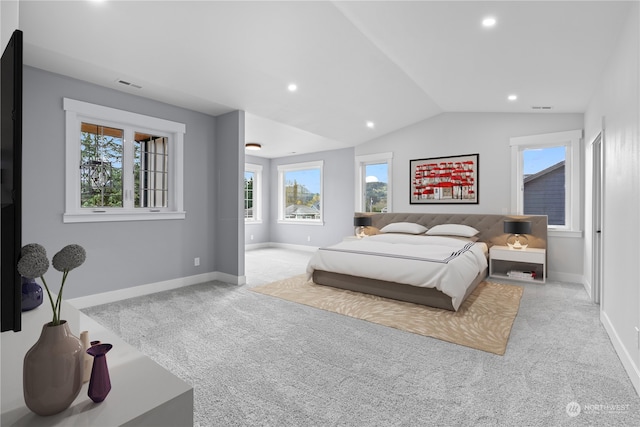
x=489, y=22
x=292, y=87
x=371, y=125
x=252, y=146
x=512, y=97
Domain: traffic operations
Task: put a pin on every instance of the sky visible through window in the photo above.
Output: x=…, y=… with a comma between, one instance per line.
x=310, y=178
x=539, y=159
x=376, y=172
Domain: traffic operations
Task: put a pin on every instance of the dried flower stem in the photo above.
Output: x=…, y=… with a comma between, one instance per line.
x=58, y=306
x=56, y=318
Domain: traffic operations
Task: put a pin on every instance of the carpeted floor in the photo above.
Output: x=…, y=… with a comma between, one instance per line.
x=482, y=322
x=257, y=361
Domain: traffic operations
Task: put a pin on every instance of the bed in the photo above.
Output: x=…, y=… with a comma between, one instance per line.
x=430, y=268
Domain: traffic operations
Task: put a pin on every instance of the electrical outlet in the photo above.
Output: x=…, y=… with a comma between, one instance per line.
x=252, y=237
x=638, y=337
x=196, y=261
x=308, y=238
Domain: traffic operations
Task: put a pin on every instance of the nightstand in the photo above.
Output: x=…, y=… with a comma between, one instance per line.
x=518, y=264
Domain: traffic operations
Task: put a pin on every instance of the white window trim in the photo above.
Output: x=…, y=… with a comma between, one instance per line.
x=257, y=193
x=361, y=162
x=570, y=139
x=78, y=111
x=295, y=167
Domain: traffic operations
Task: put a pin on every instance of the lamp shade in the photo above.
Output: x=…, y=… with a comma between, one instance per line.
x=517, y=227
x=361, y=221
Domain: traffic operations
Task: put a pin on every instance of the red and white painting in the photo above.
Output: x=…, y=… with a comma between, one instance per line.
x=444, y=180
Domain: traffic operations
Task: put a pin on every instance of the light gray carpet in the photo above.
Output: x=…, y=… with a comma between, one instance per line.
x=483, y=321
x=257, y=360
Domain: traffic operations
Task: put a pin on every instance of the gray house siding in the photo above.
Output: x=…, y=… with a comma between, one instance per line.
x=544, y=194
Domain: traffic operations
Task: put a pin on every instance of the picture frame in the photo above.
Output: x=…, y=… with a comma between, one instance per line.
x=444, y=180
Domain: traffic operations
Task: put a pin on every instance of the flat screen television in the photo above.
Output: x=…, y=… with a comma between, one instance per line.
x=11, y=177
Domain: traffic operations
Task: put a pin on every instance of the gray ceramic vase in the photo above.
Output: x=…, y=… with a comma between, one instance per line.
x=53, y=370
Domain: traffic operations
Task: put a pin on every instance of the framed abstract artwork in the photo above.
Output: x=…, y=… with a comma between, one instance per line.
x=444, y=180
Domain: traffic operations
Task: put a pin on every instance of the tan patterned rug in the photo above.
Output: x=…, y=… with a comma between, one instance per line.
x=483, y=321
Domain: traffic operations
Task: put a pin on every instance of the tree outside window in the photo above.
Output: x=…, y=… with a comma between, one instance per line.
x=300, y=193
x=249, y=180
x=101, y=166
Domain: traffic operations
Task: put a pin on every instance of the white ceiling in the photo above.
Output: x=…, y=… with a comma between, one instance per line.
x=394, y=63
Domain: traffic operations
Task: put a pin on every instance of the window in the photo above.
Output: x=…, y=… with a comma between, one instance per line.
x=300, y=193
x=546, y=178
x=373, y=183
x=121, y=166
x=252, y=193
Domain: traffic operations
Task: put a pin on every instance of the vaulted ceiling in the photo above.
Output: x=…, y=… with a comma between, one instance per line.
x=392, y=63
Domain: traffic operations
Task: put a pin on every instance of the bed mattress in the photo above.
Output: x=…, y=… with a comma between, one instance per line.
x=448, y=265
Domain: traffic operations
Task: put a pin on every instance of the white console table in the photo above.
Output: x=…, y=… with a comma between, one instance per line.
x=142, y=392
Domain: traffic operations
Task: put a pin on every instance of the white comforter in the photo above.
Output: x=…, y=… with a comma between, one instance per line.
x=447, y=264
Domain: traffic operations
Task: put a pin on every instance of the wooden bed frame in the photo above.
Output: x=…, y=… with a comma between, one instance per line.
x=491, y=232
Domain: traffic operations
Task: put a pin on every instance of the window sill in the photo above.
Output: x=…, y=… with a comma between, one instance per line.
x=111, y=216
x=252, y=221
x=564, y=233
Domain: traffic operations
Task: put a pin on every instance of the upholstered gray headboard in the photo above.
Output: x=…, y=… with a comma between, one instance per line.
x=491, y=227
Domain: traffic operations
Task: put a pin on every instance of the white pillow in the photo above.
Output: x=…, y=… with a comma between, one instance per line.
x=452, y=230
x=404, y=227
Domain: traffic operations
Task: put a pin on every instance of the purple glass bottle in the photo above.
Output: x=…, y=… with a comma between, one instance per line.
x=31, y=294
x=100, y=383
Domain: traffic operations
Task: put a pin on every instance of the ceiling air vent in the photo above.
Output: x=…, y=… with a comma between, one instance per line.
x=126, y=83
x=541, y=107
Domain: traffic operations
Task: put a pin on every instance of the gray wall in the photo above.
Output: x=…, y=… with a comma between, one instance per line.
x=487, y=134
x=119, y=254
x=229, y=172
x=616, y=101
x=9, y=21
x=338, y=200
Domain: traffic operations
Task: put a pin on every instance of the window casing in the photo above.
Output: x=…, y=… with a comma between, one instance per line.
x=570, y=142
x=252, y=193
x=121, y=166
x=300, y=193
x=363, y=188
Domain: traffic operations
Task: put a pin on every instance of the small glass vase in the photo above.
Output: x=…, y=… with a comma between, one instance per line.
x=100, y=383
x=31, y=294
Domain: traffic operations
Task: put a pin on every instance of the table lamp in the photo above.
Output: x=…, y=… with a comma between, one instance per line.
x=360, y=223
x=517, y=231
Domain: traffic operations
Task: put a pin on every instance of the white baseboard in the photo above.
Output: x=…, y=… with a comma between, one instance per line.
x=587, y=287
x=565, y=277
x=230, y=278
x=627, y=361
x=152, y=288
x=294, y=247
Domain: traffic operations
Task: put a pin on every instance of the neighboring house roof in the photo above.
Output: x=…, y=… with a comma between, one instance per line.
x=301, y=210
x=543, y=172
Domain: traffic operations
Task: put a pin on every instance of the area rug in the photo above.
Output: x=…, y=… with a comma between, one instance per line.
x=483, y=321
